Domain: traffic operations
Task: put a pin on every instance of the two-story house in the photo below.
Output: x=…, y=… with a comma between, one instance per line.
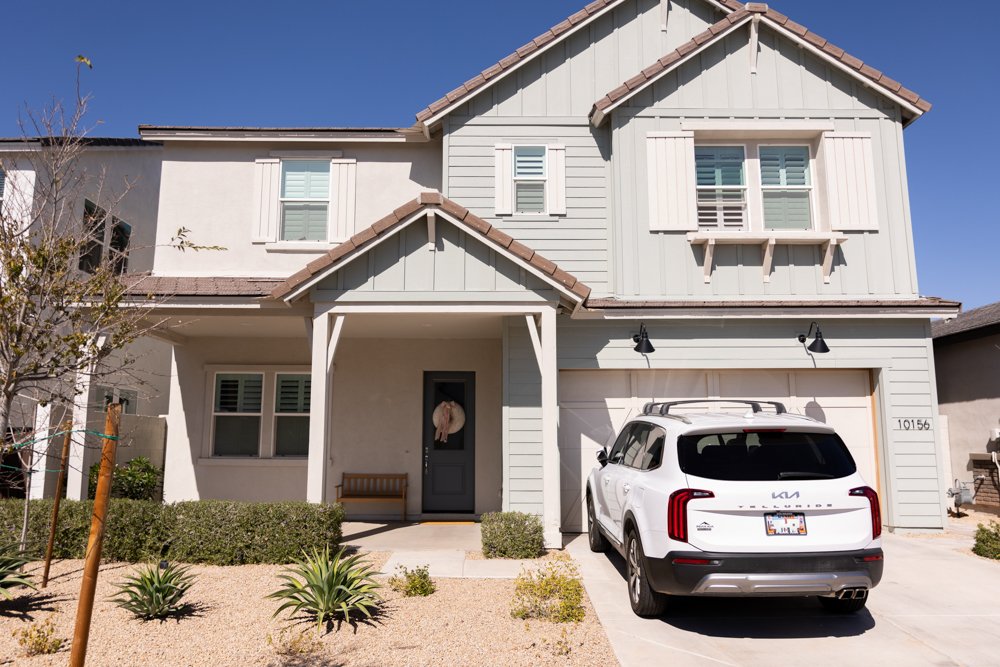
x=710, y=175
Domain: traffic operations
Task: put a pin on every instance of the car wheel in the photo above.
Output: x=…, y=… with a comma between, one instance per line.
x=598, y=543
x=644, y=600
x=843, y=606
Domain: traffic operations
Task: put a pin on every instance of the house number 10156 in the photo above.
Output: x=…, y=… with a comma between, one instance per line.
x=913, y=424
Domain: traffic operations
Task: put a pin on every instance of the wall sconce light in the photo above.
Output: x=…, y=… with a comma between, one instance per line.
x=818, y=346
x=641, y=339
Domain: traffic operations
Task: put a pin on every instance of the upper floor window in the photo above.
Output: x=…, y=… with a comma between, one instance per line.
x=305, y=200
x=529, y=179
x=722, y=187
x=104, y=234
x=3, y=183
x=786, y=187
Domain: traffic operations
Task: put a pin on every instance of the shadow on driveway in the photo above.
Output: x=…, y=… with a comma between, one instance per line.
x=755, y=618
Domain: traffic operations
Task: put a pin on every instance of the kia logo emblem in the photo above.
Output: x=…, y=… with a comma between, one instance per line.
x=785, y=495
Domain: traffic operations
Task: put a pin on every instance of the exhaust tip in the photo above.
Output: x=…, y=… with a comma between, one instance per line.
x=852, y=594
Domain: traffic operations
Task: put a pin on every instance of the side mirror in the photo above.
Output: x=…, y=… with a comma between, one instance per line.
x=602, y=457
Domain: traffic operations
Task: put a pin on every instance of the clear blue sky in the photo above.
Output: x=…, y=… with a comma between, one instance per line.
x=376, y=63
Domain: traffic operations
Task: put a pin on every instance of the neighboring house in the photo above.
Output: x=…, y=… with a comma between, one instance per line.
x=967, y=357
x=715, y=172
x=117, y=194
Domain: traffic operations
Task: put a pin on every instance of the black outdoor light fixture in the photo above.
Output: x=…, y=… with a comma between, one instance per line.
x=819, y=345
x=642, y=344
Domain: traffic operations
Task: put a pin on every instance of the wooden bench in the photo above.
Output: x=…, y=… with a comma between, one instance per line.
x=371, y=487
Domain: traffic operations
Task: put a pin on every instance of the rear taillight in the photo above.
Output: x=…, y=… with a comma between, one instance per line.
x=677, y=520
x=872, y=497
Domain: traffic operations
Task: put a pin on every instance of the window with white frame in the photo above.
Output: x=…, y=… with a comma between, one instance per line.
x=291, y=414
x=786, y=187
x=722, y=187
x=237, y=414
x=305, y=200
x=103, y=237
x=530, y=176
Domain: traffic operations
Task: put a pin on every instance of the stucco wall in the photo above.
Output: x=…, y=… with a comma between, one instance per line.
x=377, y=418
x=968, y=381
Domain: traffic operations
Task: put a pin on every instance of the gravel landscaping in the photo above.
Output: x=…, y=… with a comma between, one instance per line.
x=466, y=622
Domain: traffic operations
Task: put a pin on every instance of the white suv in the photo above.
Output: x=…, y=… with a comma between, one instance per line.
x=762, y=503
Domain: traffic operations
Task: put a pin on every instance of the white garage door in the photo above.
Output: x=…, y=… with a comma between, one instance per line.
x=593, y=405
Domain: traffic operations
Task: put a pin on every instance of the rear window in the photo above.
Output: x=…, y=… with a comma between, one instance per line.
x=765, y=456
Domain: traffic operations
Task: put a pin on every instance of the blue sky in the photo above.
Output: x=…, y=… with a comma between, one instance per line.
x=377, y=63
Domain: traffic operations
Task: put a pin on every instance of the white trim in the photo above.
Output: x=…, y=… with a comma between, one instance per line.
x=246, y=462
x=410, y=308
x=536, y=343
x=543, y=179
x=696, y=313
x=745, y=127
x=306, y=155
x=551, y=486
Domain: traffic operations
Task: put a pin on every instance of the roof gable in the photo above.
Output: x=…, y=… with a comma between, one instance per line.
x=756, y=15
x=567, y=285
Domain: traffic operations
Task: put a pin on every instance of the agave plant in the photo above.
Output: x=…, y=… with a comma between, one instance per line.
x=11, y=563
x=323, y=587
x=154, y=592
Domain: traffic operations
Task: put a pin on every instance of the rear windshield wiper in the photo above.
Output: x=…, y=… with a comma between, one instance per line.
x=804, y=475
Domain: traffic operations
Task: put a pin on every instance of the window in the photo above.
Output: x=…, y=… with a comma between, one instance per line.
x=785, y=187
x=652, y=455
x=99, y=236
x=3, y=183
x=105, y=396
x=637, y=442
x=305, y=200
x=529, y=179
x=722, y=187
x=237, y=414
x=291, y=420
x=770, y=456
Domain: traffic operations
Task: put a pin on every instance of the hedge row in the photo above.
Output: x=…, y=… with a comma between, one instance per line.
x=217, y=532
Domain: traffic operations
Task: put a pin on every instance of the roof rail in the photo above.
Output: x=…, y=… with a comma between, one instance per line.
x=664, y=408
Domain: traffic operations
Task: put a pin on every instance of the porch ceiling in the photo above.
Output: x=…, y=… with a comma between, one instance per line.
x=428, y=326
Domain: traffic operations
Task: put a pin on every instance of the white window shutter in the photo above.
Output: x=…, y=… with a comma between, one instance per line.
x=850, y=181
x=343, y=183
x=19, y=194
x=503, y=179
x=266, y=204
x=671, y=181
x=556, y=182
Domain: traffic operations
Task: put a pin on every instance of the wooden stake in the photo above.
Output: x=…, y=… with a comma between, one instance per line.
x=68, y=428
x=88, y=586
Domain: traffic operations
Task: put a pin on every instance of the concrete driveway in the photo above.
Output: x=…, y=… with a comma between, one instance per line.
x=938, y=604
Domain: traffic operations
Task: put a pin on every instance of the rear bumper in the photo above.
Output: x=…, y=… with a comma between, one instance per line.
x=729, y=574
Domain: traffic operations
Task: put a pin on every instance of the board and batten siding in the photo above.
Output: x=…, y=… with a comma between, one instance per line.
x=793, y=85
x=522, y=421
x=898, y=353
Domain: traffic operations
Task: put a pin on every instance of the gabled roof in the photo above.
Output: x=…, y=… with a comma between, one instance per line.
x=557, y=33
x=757, y=11
x=977, y=318
x=358, y=244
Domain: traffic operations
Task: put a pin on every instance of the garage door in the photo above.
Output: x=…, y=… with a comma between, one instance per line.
x=593, y=405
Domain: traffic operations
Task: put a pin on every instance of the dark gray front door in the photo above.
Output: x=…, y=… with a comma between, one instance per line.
x=449, y=467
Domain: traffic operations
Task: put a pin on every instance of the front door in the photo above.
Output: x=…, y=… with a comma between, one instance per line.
x=449, y=447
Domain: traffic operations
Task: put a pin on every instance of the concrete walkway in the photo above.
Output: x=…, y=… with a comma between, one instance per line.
x=936, y=605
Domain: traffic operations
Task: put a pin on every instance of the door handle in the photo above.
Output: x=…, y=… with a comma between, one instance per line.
x=626, y=487
x=607, y=480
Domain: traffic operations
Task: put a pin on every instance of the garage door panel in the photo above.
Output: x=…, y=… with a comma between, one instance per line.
x=769, y=385
x=676, y=385
x=849, y=385
x=579, y=385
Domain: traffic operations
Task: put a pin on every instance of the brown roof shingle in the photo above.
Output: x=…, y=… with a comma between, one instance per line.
x=143, y=284
x=977, y=318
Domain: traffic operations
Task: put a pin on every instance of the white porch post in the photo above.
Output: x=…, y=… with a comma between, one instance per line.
x=324, y=337
x=76, y=475
x=551, y=495
x=40, y=450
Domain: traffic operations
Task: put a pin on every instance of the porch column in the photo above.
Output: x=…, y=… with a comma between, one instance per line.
x=324, y=336
x=551, y=494
x=76, y=473
x=40, y=450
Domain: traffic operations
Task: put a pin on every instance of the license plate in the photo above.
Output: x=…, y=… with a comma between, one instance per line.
x=785, y=523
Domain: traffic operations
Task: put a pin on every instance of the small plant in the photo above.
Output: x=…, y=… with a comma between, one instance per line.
x=291, y=643
x=988, y=541
x=553, y=593
x=328, y=587
x=512, y=535
x=562, y=646
x=135, y=480
x=39, y=638
x=11, y=563
x=154, y=592
x=412, y=583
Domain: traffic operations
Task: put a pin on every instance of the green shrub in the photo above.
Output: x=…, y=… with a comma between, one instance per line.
x=553, y=592
x=38, y=638
x=988, y=541
x=412, y=583
x=216, y=532
x=152, y=592
x=328, y=587
x=11, y=562
x=512, y=535
x=135, y=480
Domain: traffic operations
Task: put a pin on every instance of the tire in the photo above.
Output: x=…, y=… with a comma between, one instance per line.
x=645, y=602
x=598, y=543
x=846, y=606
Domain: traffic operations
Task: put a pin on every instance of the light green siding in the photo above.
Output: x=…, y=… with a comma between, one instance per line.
x=522, y=421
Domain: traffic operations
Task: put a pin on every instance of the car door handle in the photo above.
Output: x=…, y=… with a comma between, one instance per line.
x=626, y=488
x=607, y=480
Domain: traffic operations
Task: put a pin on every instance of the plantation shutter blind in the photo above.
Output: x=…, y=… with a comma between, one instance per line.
x=291, y=422
x=238, y=392
x=556, y=184
x=237, y=417
x=266, y=207
x=721, y=184
x=785, y=181
x=305, y=194
x=3, y=180
x=671, y=181
x=343, y=177
x=503, y=179
x=850, y=181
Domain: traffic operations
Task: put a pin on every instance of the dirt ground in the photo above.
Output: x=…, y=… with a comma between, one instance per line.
x=466, y=622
